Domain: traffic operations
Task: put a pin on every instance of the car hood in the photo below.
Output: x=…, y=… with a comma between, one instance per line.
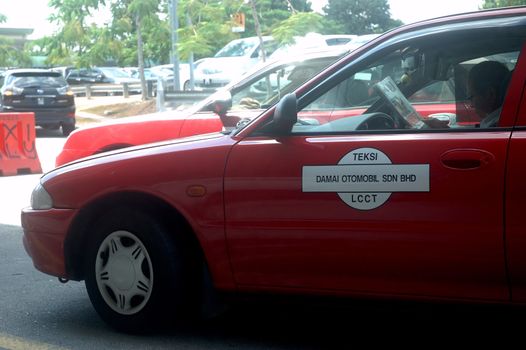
x=161, y=126
x=160, y=169
x=183, y=114
x=138, y=130
x=128, y=152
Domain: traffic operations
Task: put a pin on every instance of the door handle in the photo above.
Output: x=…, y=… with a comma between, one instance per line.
x=466, y=159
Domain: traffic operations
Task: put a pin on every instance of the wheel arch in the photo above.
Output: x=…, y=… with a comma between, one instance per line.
x=75, y=243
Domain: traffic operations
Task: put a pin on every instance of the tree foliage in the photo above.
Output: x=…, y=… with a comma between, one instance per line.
x=361, y=16
x=204, y=27
x=298, y=24
x=489, y=4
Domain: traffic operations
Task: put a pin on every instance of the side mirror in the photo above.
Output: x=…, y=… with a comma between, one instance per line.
x=285, y=114
x=221, y=103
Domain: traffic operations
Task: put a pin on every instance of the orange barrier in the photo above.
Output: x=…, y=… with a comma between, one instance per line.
x=18, y=153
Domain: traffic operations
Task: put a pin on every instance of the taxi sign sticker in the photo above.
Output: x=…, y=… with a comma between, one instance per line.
x=365, y=178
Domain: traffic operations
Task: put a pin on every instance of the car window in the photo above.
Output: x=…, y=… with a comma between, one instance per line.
x=266, y=90
x=39, y=81
x=88, y=73
x=270, y=47
x=237, y=48
x=411, y=88
x=114, y=72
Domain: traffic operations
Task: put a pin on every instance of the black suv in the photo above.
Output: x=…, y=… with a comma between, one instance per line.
x=43, y=92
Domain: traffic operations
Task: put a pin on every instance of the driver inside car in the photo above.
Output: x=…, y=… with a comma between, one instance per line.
x=487, y=85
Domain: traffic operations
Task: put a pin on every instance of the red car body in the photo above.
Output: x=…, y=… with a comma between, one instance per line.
x=373, y=205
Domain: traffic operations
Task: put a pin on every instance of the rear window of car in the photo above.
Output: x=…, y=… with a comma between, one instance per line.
x=23, y=80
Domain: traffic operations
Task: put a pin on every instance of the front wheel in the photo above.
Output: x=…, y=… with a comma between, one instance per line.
x=135, y=272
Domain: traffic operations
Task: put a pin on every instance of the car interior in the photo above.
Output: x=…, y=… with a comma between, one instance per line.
x=403, y=88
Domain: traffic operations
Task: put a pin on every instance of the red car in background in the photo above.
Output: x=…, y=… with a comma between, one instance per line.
x=324, y=193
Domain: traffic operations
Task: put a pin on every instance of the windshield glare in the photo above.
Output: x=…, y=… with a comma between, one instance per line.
x=237, y=48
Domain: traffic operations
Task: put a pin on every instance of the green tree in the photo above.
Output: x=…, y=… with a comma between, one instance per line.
x=272, y=13
x=205, y=26
x=299, y=24
x=361, y=16
x=141, y=10
x=74, y=39
x=10, y=56
x=489, y=4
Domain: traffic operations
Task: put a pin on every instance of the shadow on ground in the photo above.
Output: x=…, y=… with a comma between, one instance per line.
x=40, y=132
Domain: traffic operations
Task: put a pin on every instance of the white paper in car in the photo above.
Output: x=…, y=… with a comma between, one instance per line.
x=388, y=89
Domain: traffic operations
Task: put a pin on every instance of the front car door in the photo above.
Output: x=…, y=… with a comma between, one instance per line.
x=377, y=202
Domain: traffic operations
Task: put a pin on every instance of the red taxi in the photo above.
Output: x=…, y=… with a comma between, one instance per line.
x=341, y=188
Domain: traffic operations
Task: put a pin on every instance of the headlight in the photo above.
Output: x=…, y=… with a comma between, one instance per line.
x=40, y=199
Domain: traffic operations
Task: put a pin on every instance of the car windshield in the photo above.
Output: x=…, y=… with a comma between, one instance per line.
x=237, y=48
x=39, y=80
x=114, y=72
x=264, y=90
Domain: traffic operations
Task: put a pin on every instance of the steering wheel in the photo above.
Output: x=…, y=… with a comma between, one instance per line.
x=377, y=121
x=402, y=108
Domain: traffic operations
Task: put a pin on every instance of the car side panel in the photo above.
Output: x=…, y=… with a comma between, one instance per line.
x=166, y=174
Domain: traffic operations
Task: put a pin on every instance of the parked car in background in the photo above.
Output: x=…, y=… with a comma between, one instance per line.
x=340, y=189
x=153, y=78
x=64, y=70
x=241, y=100
x=362, y=39
x=43, y=92
x=302, y=44
x=339, y=39
x=100, y=75
x=166, y=71
x=232, y=61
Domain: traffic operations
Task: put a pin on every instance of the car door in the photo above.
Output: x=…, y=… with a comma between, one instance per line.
x=363, y=205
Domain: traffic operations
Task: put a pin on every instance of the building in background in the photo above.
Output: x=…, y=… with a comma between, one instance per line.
x=17, y=35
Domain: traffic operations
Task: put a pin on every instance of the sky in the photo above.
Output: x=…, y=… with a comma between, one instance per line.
x=34, y=13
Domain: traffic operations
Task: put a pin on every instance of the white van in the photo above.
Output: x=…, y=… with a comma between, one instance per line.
x=233, y=60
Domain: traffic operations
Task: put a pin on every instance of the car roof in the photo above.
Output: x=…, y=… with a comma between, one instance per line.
x=466, y=21
x=463, y=17
x=29, y=71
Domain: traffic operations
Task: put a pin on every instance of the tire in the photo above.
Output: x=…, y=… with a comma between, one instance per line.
x=135, y=272
x=186, y=85
x=67, y=129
